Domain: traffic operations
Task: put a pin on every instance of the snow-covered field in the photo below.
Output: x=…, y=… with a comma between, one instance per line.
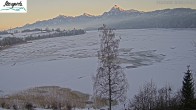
x=160, y=55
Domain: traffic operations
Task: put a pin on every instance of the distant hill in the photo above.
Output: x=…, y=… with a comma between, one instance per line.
x=122, y=19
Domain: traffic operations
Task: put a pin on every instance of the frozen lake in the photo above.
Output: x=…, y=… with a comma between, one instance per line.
x=160, y=55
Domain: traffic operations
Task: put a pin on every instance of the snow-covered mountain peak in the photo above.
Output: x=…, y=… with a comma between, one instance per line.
x=86, y=14
x=118, y=11
x=61, y=16
x=116, y=8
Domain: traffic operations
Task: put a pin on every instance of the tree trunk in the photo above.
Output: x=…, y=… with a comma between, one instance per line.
x=110, y=92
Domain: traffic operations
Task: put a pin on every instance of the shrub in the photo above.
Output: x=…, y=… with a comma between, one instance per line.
x=29, y=106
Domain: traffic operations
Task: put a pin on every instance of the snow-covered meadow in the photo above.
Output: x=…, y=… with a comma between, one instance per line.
x=160, y=55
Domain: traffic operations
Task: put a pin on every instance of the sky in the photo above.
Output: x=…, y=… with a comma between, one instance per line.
x=38, y=10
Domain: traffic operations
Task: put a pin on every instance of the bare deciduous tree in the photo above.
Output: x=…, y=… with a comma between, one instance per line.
x=146, y=98
x=151, y=98
x=110, y=81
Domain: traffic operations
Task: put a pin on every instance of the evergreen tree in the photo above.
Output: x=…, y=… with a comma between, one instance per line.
x=188, y=91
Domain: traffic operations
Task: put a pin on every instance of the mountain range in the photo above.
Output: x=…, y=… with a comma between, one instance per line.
x=119, y=18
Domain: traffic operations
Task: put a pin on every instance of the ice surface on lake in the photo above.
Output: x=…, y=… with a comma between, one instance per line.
x=160, y=55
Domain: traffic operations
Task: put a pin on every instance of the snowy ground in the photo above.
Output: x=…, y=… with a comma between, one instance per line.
x=160, y=55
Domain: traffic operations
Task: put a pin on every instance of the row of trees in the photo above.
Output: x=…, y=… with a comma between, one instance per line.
x=42, y=30
x=3, y=32
x=32, y=30
x=8, y=41
x=56, y=34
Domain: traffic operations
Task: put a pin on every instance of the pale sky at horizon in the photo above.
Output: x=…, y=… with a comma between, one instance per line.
x=47, y=9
